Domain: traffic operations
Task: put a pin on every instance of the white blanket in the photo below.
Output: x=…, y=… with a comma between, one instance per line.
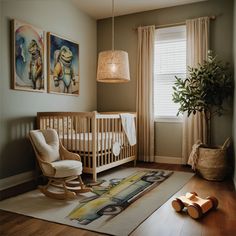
x=193, y=157
x=128, y=125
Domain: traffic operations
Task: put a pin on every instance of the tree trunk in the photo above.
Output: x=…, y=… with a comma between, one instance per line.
x=208, y=124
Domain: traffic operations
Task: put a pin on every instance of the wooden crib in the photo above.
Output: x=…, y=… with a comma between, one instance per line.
x=99, y=138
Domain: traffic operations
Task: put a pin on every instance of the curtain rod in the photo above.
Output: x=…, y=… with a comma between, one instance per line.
x=175, y=24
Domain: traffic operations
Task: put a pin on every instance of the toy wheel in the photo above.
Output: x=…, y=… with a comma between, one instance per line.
x=195, y=211
x=178, y=205
x=194, y=193
x=214, y=202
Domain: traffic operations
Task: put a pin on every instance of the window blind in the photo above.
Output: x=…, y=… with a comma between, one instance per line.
x=169, y=61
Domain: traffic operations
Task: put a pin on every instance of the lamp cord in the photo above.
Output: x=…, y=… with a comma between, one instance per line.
x=113, y=34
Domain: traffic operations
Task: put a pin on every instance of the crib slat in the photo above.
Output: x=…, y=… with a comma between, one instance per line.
x=120, y=140
x=73, y=133
x=116, y=136
x=94, y=140
x=80, y=136
x=113, y=137
x=84, y=143
x=102, y=141
x=98, y=143
x=89, y=150
x=106, y=142
x=109, y=140
x=76, y=134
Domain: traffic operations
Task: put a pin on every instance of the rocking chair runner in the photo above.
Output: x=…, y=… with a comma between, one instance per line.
x=61, y=167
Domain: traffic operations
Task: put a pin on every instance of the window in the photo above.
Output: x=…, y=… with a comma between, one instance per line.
x=169, y=61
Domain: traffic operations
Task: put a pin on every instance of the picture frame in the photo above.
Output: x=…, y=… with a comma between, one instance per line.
x=63, y=65
x=28, y=57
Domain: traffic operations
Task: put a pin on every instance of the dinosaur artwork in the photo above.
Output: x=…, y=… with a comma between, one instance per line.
x=35, y=66
x=63, y=70
x=63, y=73
x=28, y=54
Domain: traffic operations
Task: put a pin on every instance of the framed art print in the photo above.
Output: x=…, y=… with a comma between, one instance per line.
x=28, y=59
x=63, y=65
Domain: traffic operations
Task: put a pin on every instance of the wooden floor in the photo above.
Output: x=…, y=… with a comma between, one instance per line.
x=163, y=222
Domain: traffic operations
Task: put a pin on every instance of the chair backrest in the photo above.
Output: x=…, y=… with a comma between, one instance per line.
x=46, y=144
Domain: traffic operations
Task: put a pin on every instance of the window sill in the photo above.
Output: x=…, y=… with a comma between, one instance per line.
x=168, y=119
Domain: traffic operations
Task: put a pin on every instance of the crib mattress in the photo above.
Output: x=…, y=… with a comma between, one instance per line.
x=83, y=142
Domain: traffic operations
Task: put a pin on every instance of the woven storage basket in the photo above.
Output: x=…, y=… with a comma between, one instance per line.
x=213, y=163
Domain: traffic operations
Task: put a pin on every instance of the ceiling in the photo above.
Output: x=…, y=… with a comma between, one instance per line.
x=99, y=9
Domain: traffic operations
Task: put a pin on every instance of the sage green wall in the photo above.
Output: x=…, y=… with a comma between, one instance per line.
x=234, y=121
x=168, y=140
x=1, y=87
x=18, y=108
x=122, y=96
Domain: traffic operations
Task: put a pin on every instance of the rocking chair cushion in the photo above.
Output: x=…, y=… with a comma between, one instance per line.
x=47, y=144
x=66, y=168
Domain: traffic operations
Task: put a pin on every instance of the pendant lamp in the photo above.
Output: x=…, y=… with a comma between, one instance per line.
x=113, y=65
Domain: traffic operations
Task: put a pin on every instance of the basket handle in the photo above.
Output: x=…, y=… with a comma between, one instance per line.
x=226, y=143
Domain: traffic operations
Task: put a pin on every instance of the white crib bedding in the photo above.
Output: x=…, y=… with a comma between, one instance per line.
x=83, y=142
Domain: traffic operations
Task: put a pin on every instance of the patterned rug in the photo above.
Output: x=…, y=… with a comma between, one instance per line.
x=123, y=195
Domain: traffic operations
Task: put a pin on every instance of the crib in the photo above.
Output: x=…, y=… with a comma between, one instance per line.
x=101, y=139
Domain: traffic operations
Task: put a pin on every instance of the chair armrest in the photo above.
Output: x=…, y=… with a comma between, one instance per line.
x=67, y=155
x=46, y=168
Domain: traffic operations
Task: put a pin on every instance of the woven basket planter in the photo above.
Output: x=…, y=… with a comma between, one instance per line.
x=213, y=163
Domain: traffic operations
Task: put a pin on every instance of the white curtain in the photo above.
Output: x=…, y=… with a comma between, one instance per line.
x=144, y=99
x=194, y=126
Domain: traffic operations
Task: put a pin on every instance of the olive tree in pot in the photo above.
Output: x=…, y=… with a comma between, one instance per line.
x=205, y=90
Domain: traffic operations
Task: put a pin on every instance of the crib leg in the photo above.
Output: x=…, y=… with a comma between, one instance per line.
x=135, y=162
x=95, y=177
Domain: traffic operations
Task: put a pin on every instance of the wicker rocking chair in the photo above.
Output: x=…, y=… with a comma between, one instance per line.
x=61, y=167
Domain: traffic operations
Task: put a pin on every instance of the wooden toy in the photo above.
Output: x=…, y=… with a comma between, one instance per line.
x=196, y=206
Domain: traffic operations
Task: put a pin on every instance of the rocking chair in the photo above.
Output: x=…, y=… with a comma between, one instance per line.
x=61, y=167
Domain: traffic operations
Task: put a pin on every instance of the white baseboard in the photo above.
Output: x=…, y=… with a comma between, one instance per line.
x=168, y=160
x=16, y=180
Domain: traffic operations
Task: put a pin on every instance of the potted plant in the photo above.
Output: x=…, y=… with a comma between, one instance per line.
x=205, y=90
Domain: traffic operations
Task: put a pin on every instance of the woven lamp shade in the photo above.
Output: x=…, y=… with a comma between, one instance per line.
x=113, y=67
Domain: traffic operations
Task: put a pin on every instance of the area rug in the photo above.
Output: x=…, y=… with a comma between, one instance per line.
x=123, y=200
